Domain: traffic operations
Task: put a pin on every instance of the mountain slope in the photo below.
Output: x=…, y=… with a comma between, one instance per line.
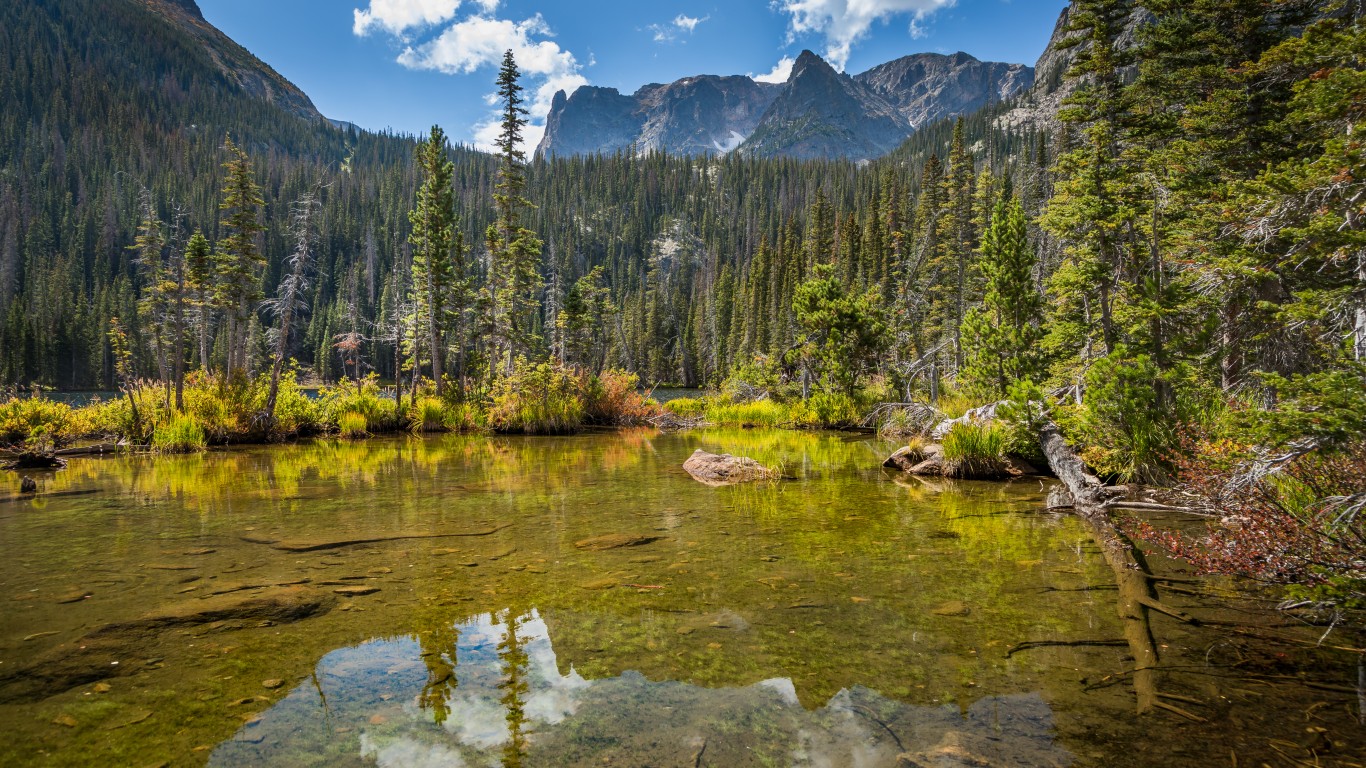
x=821, y=113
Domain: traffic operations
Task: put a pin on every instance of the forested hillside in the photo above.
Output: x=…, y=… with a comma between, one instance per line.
x=1170, y=221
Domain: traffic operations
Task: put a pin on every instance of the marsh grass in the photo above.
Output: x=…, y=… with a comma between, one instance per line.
x=182, y=433
x=975, y=451
x=352, y=425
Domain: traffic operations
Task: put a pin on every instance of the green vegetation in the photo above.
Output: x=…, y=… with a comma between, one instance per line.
x=974, y=450
x=181, y=434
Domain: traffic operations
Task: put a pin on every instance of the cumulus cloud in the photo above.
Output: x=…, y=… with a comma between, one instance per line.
x=398, y=16
x=844, y=23
x=682, y=24
x=479, y=42
x=781, y=72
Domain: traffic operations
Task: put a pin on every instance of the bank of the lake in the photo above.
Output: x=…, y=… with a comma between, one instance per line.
x=467, y=597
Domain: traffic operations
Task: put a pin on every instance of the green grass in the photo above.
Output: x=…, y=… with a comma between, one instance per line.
x=975, y=451
x=182, y=433
x=352, y=425
x=428, y=415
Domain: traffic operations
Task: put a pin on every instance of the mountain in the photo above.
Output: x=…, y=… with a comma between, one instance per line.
x=817, y=113
x=695, y=115
x=822, y=113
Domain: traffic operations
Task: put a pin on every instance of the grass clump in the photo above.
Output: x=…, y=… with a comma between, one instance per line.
x=352, y=425
x=363, y=397
x=975, y=451
x=428, y=415
x=182, y=433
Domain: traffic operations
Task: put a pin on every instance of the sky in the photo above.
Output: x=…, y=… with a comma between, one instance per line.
x=405, y=65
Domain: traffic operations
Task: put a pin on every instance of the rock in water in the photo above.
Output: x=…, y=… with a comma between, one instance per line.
x=905, y=458
x=28, y=485
x=724, y=469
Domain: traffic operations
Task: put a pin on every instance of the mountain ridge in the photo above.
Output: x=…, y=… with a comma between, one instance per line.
x=716, y=114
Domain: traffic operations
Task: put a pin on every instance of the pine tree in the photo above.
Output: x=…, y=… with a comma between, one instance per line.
x=437, y=291
x=239, y=261
x=1001, y=336
x=199, y=271
x=514, y=250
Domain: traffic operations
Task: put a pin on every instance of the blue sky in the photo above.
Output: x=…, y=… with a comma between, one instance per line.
x=406, y=64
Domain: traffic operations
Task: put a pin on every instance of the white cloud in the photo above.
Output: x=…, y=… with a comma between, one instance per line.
x=781, y=71
x=397, y=16
x=844, y=23
x=682, y=24
x=688, y=23
x=479, y=42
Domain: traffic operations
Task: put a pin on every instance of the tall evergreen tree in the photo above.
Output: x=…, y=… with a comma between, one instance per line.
x=437, y=290
x=1001, y=336
x=514, y=283
x=239, y=261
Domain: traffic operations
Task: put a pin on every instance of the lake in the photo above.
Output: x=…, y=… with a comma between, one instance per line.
x=472, y=600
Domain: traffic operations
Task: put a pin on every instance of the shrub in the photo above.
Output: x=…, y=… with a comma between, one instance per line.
x=613, y=399
x=1127, y=425
x=352, y=425
x=975, y=451
x=179, y=434
x=363, y=397
x=1295, y=522
x=37, y=423
x=834, y=409
x=537, y=399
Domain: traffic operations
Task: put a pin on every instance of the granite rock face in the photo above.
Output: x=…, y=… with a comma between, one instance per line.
x=818, y=113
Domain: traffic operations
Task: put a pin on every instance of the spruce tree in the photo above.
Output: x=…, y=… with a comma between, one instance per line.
x=1001, y=336
x=239, y=261
x=514, y=272
x=437, y=289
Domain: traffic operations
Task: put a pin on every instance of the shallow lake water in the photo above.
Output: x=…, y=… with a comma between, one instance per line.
x=476, y=601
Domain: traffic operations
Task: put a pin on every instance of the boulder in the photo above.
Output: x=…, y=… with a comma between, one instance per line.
x=933, y=465
x=725, y=469
x=28, y=485
x=905, y=458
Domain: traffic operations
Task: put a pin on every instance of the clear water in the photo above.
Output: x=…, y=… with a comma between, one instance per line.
x=841, y=617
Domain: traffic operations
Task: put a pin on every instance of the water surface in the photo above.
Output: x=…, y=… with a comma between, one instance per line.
x=258, y=607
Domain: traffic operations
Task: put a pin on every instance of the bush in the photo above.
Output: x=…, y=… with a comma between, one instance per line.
x=37, y=423
x=613, y=399
x=975, y=451
x=352, y=425
x=537, y=399
x=834, y=409
x=180, y=434
x=1127, y=426
x=363, y=397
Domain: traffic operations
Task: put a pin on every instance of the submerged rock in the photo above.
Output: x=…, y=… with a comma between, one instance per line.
x=28, y=485
x=125, y=648
x=724, y=469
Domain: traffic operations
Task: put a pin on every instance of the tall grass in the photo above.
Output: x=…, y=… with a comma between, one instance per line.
x=975, y=451
x=352, y=425
x=182, y=433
